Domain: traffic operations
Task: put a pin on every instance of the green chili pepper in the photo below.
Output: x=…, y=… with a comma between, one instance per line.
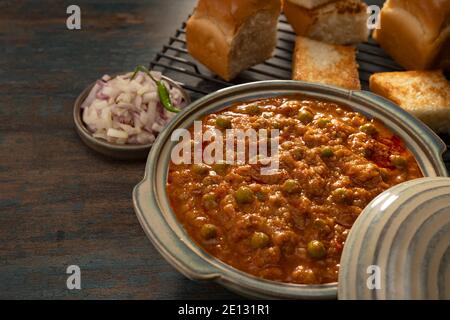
x=163, y=93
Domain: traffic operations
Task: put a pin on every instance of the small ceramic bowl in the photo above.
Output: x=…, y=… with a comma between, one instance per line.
x=118, y=151
x=172, y=241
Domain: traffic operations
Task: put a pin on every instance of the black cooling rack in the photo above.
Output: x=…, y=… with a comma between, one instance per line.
x=175, y=62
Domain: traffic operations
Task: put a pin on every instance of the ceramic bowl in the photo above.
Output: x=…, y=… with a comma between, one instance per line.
x=403, y=238
x=118, y=151
x=168, y=235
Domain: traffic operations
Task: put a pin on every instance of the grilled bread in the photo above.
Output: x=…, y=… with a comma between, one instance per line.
x=425, y=94
x=320, y=62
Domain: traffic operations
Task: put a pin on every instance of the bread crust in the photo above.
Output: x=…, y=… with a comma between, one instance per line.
x=319, y=62
x=433, y=15
x=310, y=22
x=214, y=25
x=310, y=4
x=425, y=94
x=416, y=33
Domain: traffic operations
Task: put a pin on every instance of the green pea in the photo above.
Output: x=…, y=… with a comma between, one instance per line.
x=252, y=109
x=319, y=223
x=369, y=129
x=260, y=240
x=322, y=225
x=398, y=161
x=208, y=231
x=244, y=195
x=322, y=122
x=210, y=201
x=223, y=122
x=200, y=169
x=305, y=116
x=316, y=249
x=290, y=186
x=327, y=152
x=342, y=195
x=384, y=175
x=297, y=154
x=220, y=168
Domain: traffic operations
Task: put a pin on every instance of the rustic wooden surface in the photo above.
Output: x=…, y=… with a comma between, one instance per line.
x=60, y=202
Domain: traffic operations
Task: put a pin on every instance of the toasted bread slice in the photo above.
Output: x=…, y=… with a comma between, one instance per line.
x=425, y=94
x=340, y=22
x=310, y=4
x=320, y=62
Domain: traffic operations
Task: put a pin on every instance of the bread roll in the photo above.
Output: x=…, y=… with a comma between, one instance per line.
x=416, y=33
x=310, y=4
x=340, y=22
x=229, y=36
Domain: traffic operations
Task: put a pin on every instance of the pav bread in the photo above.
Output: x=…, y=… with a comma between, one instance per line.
x=229, y=36
x=340, y=22
x=425, y=94
x=416, y=33
x=315, y=61
x=310, y=4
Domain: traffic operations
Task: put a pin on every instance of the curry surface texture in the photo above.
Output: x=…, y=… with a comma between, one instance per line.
x=290, y=226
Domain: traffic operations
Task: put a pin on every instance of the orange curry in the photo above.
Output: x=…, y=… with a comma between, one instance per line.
x=290, y=226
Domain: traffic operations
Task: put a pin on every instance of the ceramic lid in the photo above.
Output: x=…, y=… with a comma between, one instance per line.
x=399, y=247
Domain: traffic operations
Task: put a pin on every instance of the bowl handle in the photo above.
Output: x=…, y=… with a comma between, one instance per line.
x=165, y=240
x=435, y=142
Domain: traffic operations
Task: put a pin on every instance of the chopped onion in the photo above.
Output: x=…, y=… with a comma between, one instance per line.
x=125, y=111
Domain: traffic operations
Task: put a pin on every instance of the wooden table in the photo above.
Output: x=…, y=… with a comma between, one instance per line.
x=62, y=204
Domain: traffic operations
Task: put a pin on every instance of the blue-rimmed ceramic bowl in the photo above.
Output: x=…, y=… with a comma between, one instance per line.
x=168, y=235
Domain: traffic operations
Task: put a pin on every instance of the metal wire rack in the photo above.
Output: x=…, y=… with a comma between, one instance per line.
x=175, y=62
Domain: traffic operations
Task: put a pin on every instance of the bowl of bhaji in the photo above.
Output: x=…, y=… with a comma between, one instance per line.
x=257, y=186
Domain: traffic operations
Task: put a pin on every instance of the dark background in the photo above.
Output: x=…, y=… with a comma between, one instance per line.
x=60, y=202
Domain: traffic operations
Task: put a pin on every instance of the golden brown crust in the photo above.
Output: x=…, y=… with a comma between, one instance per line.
x=419, y=88
x=206, y=43
x=416, y=32
x=433, y=15
x=211, y=30
x=351, y=7
x=299, y=18
x=319, y=62
x=425, y=94
x=310, y=4
x=231, y=14
x=329, y=22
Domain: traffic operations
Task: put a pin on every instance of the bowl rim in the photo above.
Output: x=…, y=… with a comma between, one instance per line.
x=82, y=130
x=192, y=261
